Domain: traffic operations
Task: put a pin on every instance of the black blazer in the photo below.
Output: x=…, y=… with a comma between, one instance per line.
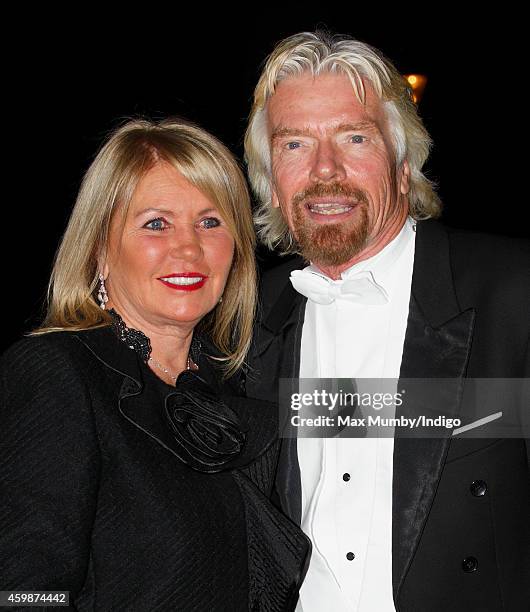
x=468, y=317
x=98, y=497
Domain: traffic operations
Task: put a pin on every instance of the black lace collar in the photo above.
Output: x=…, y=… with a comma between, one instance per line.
x=139, y=342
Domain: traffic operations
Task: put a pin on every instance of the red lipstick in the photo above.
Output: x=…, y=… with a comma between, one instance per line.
x=184, y=281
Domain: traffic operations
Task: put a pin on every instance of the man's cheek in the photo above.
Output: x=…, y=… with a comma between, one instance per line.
x=290, y=170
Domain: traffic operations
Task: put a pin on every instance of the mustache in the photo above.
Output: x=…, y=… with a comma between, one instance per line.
x=320, y=190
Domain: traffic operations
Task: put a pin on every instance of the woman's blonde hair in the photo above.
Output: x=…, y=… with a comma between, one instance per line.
x=320, y=52
x=128, y=154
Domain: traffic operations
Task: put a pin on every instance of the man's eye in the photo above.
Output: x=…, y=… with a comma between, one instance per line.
x=210, y=222
x=158, y=224
x=293, y=145
x=357, y=139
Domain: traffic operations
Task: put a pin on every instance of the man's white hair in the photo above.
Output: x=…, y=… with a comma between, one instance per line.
x=320, y=52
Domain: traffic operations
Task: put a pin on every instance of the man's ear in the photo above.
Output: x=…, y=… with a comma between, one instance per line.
x=404, y=183
x=274, y=198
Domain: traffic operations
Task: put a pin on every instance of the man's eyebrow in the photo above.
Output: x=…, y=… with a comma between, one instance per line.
x=285, y=132
x=282, y=132
x=354, y=127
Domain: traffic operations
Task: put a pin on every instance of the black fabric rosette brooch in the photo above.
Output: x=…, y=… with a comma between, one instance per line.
x=207, y=430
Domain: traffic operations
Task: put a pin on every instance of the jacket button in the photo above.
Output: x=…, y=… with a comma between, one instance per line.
x=346, y=477
x=469, y=564
x=478, y=488
x=350, y=556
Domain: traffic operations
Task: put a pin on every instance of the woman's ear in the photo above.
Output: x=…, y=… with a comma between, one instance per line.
x=103, y=266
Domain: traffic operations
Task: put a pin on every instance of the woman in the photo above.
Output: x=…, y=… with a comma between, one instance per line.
x=132, y=475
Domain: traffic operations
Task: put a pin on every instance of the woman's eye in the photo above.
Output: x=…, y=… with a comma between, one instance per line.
x=210, y=222
x=158, y=224
x=357, y=139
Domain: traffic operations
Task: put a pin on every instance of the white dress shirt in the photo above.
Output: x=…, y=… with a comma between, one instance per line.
x=353, y=514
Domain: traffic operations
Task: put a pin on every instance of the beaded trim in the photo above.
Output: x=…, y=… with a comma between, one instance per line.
x=134, y=339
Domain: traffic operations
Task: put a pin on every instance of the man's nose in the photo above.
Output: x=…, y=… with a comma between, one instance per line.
x=327, y=164
x=186, y=244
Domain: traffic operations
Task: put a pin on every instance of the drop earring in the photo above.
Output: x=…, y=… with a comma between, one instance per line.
x=103, y=297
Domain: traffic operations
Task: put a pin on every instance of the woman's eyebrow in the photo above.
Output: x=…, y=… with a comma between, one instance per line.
x=167, y=211
x=208, y=210
x=162, y=211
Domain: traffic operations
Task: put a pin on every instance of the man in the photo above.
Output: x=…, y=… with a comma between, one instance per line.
x=335, y=150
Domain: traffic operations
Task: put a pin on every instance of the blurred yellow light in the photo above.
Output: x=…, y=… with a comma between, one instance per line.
x=417, y=83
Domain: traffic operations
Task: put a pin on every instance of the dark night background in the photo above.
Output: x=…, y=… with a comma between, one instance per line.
x=68, y=87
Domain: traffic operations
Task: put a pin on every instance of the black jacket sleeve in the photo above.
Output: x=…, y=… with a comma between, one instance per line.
x=49, y=458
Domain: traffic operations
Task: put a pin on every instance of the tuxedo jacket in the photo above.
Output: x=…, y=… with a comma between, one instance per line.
x=461, y=507
x=98, y=497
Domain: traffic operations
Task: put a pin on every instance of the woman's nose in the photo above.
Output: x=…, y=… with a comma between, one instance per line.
x=186, y=243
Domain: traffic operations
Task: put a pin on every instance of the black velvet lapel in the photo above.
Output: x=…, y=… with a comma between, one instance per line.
x=283, y=312
x=437, y=345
